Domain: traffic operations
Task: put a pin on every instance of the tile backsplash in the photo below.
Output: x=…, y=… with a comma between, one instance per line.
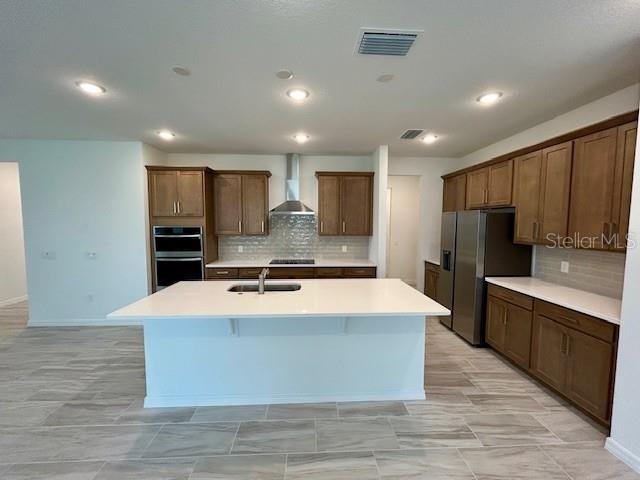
x=590, y=270
x=292, y=236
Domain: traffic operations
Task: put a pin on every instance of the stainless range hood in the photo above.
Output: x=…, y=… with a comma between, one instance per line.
x=292, y=204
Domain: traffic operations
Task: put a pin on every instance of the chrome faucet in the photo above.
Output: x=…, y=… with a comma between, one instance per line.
x=261, y=278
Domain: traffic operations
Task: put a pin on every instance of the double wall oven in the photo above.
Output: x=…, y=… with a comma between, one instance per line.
x=178, y=253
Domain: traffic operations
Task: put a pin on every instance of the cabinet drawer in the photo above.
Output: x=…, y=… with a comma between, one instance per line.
x=249, y=272
x=359, y=272
x=291, y=272
x=578, y=321
x=510, y=296
x=213, y=273
x=328, y=272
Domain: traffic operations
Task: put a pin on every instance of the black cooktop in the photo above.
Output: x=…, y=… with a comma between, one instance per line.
x=292, y=261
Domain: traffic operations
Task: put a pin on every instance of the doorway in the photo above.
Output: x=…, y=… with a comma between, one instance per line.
x=404, y=199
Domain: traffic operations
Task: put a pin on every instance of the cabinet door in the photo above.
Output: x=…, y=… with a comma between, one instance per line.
x=477, y=184
x=190, y=194
x=517, y=340
x=355, y=204
x=589, y=372
x=500, y=184
x=454, y=193
x=554, y=193
x=228, y=204
x=255, y=200
x=163, y=193
x=496, y=323
x=329, y=205
x=431, y=287
x=592, y=188
x=626, y=147
x=548, y=361
x=526, y=191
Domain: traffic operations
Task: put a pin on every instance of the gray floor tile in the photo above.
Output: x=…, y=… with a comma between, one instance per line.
x=54, y=471
x=25, y=414
x=302, y=411
x=275, y=436
x=571, y=427
x=371, y=409
x=332, y=466
x=353, y=434
x=512, y=463
x=435, y=431
x=136, y=414
x=232, y=413
x=589, y=461
x=240, y=467
x=509, y=429
x=192, y=440
x=173, y=469
x=431, y=464
x=452, y=381
x=91, y=412
x=505, y=403
x=449, y=403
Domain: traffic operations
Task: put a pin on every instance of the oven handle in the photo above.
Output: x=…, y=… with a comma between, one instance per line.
x=165, y=259
x=195, y=235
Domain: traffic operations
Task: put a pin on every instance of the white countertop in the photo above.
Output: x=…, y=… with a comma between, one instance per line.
x=316, y=298
x=599, y=306
x=320, y=262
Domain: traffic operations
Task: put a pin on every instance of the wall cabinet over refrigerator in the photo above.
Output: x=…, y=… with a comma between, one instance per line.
x=345, y=203
x=490, y=186
x=241, y=202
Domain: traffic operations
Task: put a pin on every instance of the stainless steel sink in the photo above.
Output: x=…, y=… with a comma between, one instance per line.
x=270, y=287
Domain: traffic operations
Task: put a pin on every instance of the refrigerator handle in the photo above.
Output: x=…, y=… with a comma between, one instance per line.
x=446, y=260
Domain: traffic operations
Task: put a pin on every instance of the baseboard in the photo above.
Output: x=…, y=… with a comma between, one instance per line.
x=11, y=301
x=623, y=454
x=222, y=400
x=83, y=322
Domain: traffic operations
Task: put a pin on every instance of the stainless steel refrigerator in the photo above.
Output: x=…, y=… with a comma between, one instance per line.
x=476, y=244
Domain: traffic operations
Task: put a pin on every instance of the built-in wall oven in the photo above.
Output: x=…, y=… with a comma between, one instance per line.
x=178, y=253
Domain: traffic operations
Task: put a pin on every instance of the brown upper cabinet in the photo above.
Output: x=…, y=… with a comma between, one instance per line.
x=241, y=202
x=345, y=203
x=541, y=193
x=490, y=186
x=454, y=192
x=602, y=171
x=176, y=192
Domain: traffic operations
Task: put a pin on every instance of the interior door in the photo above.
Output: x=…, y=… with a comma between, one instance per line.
x=164, y=193
x=500, y=184
x=526, y=187
x=517, y=343
x=190, y=194
x=228, y=204
x=328, y=205
x=554, y=192
x=496, y=323
x=254, y=204
x=355, y=205
x=548, y=361
x=477, y=185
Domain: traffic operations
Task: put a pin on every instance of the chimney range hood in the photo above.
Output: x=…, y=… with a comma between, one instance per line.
x=292, y=204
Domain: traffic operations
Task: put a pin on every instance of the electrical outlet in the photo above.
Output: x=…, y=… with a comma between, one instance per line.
x=564, y=267
x=344, y=249
x=92, y=255
x=240, y=249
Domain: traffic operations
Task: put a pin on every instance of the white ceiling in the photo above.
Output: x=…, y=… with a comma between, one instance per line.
x=547, y=56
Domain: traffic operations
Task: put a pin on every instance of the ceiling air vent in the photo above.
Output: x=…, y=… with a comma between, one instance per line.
x=411, y=133
x=386, y=42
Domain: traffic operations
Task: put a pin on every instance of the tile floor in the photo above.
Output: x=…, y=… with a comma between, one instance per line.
x=71, y=409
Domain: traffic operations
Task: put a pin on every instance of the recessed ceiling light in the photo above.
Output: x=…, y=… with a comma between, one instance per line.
x=297, y=94
x=429, y=138
x=386, y=78
x=301, y=137
x=91, y=88
x=489, y=98
x=284, y=74
x=182, y=71
x=166, y=135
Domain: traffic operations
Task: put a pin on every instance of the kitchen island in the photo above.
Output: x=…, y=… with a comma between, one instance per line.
x=331, y=340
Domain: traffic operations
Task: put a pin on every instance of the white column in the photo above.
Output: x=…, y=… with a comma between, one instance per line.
x=378, y=244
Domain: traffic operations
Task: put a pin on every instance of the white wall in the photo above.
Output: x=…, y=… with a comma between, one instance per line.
x=80, y=197
x=378, y=243
x=430, y=169
x=625, y=427
x=622, y=101
x=402, y=244
x=13, y=279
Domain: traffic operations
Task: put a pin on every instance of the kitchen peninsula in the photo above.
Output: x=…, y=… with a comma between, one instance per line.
x=330, y=340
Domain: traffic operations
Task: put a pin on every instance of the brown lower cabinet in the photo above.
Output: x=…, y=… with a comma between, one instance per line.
x=290, y=272
x=572, y=353
x=431, y=274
